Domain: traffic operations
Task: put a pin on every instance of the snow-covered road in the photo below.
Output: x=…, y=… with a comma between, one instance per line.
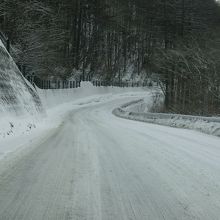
x=96, y=166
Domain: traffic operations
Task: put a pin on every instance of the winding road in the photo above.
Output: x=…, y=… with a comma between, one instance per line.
x=96, y=166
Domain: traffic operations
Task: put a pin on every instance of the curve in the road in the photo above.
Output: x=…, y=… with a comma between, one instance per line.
x=100, y=167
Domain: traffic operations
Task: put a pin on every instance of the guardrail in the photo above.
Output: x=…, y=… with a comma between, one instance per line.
x=209, y=125
x=98, y=83
x=54, y=84
x=51, y=84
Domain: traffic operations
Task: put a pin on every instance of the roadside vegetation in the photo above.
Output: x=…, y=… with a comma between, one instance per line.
x=175, y=43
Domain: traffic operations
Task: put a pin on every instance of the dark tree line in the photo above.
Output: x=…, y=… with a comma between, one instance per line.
x=173, y=41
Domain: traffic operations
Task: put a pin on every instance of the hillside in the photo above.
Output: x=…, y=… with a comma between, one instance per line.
x=18, y=99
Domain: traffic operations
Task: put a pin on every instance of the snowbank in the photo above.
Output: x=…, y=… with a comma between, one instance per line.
x=19, y=102
x=51, y=98
x=138, y=111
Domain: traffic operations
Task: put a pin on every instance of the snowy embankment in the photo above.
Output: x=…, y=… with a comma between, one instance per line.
x=139, y=111
x=20, y=105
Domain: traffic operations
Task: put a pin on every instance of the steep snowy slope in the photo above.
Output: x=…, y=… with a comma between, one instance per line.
x=19, y=102
x=17, y=96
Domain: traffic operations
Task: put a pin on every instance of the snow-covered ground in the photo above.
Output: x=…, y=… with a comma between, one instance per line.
x=98, y=166
x=139, y=110
x=24, y=129
x=78, y=161
x=51, y=98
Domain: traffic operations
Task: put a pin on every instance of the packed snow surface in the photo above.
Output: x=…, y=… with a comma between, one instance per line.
x=98, y=166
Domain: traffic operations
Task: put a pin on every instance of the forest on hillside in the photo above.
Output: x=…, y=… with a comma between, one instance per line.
x=176, y=42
